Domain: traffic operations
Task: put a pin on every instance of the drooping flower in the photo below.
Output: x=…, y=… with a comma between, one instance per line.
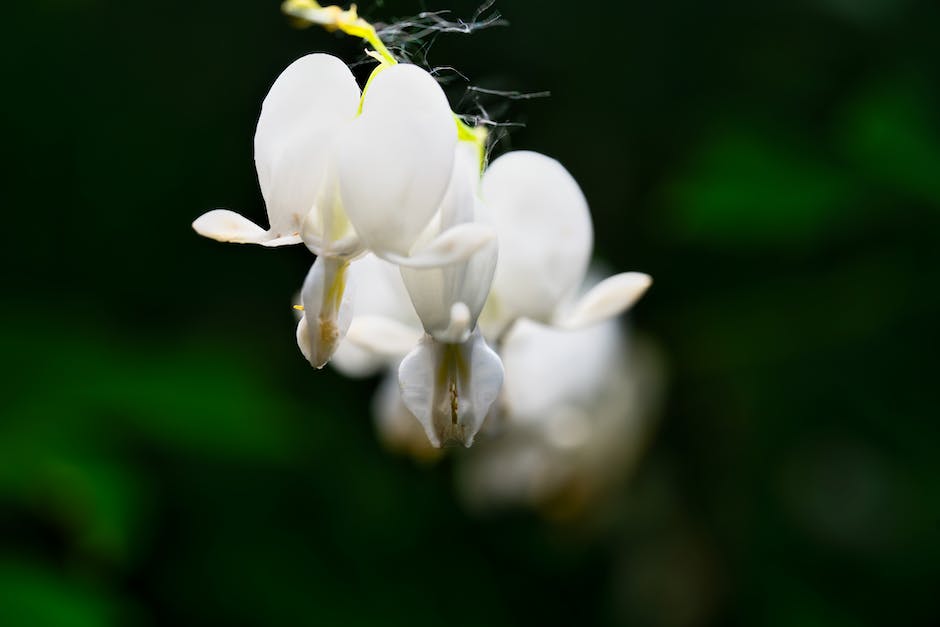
x=450, y=379
x=344, y=181
x=335, y=179
x=384, y=187
x=544, y=227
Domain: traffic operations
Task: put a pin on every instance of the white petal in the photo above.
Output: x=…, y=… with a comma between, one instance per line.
x=574, y=432
x=383, y=336
x=545, y=236
x=460, y=201
x=450, y=387
x=380, y=293
x=548, y=369
x=327, y=300
x=321, y=239
x=435, y=292
x=354, y=361
x=452, y=246
x=286, y=240
x=438, y=289
x=326, y=230
x=394, y=162
x=223, y=225
x=607, y=299
x=459, y=328
x=305, y=107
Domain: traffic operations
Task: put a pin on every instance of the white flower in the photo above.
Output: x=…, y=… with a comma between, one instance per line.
x=450, y=379
x=376, y=184
x=567, y=434
x=344, y=182
x=449, y=299
x=336, y=179
x=544, y=227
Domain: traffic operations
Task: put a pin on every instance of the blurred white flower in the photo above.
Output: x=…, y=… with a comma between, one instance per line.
x=566, y=435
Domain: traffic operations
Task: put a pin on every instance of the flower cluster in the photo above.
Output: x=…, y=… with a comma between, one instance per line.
x=427, y=257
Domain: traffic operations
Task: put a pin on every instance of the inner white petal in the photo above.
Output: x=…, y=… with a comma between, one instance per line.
x=451, y=387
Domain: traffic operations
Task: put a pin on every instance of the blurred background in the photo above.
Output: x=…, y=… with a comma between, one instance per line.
x=167, y=456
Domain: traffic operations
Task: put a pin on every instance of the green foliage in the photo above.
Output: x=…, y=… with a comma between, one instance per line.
x=745, y=190
x=31, y=596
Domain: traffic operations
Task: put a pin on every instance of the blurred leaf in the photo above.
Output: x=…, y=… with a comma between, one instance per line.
x=202, y=399
x=67, y=424
x=745, y=190
x=865, y=11
x=98, y=501
x=890, y=131
x=101, y=501
x=781, y=318
x=33, y=597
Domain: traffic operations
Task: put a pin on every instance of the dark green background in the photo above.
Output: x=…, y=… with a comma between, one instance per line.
x=168, y=457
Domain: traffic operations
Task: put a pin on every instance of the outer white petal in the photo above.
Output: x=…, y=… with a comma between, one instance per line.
x=327, y=300
x=223, y=225
x=609, y=298
x=544, y=229
x=450, y=387
x=452, y=246
x=305, y=107
x=394, y=162
x=448, y=298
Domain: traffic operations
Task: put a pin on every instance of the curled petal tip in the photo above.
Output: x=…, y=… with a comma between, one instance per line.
x=286, y=240
x=319, y=346
x=223, y=225
x=454, y=245
x=459, y=326
x=611, y=297
x=327, y=310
